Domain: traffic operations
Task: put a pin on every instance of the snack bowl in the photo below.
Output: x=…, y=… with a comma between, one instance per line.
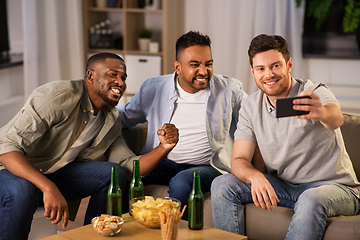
x=107, y=225
x=145, y=209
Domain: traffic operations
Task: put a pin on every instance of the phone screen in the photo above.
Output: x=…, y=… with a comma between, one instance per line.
x=284, y=107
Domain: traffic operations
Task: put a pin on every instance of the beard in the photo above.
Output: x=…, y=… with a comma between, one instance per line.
x=284, y=85
x=103, y=94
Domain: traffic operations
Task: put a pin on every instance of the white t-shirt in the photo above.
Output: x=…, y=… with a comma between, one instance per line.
x=84, y=141
x=189, y=117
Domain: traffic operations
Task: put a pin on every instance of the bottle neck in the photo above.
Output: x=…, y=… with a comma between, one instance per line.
x=136, y=169
x=196, y=181
x=114, y=176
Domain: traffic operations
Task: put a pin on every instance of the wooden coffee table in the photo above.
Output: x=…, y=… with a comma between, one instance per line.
x=134, y=230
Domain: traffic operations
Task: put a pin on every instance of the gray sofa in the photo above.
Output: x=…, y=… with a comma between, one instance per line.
x=267, y=225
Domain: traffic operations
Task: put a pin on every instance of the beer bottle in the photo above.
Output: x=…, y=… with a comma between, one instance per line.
x=114, y=195
x=136, y=188
x=196, y=205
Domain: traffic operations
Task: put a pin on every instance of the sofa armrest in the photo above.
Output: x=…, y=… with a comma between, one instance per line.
x=351, y=134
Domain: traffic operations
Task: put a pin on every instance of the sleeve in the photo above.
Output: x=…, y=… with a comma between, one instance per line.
x=245, y=130
x=134, y=112
x=241, y=96
x=23, y=132
x=323, y=91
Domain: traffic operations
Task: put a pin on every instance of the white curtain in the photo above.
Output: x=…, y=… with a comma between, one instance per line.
x=232, y=24
x=53, y=41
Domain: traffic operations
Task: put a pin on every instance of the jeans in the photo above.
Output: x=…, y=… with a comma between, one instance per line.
x=19, y=198
x=179, y=178
x=312, y=202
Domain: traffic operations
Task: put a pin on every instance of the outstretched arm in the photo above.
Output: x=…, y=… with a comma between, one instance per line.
x=263, y=193
x=55, y=204
x=328, y=113
x=168, y=136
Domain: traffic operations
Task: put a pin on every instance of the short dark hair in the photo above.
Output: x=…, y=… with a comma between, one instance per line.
x=189, y=39
x=263, y=43
x=99, y=57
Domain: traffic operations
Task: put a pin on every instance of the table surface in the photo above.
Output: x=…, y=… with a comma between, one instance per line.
x=134, y=230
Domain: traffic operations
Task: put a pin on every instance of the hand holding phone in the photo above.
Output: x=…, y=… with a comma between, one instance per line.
x=284, y=107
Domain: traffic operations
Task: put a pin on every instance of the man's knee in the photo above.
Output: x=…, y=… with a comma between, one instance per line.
x=181, y=180
x=20, y=193
x=220, y=185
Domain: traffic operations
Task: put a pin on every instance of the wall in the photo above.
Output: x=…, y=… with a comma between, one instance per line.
x=342, y=78
x=12, y=78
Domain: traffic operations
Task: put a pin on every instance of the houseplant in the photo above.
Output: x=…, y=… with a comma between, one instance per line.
x=144, y=39
x=322, y=9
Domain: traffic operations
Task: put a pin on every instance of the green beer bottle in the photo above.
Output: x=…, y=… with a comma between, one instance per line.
x=196, y=205
x=136, y=188
x=114, y=195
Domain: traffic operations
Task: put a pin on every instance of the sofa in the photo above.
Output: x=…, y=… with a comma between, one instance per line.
x=261, y=224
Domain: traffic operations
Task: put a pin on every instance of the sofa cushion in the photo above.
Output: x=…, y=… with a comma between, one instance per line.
x=261, y=224
x=270, y=225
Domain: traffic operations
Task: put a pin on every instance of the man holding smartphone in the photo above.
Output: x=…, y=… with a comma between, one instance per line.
x=308, y=168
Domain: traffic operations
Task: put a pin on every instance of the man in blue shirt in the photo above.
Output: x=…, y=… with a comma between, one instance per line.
x=202, y=105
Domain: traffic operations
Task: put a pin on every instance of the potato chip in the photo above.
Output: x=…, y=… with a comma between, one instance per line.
x=146, y=210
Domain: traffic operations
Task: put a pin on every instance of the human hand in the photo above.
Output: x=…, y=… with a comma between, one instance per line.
x=263, y=194
x=168, y=135
x=55, y=206
x=314, y=106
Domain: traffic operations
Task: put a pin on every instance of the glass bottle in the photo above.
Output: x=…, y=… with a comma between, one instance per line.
x=196, y=205
x=114, y=195
x=136, y=188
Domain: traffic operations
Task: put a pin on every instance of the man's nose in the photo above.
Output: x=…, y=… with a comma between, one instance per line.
x=203, y=70
x=268, y=73
x=120, y=81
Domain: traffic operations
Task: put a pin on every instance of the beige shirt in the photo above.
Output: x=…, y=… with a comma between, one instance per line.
x=53, y=118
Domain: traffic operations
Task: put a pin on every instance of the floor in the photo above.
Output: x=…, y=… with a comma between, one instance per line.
x=79, y=220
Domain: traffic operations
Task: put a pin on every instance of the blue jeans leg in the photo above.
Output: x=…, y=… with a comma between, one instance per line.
x=78, y=180
x=18, y=203
x=181, y=184
x=317, y=202
x=229, y=195
x=312, y=202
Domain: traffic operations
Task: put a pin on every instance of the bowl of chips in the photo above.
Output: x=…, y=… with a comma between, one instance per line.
x=145, y=209
x=107, y=225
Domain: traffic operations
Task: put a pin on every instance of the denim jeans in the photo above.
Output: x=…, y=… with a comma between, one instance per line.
x=179, y=178
x=312, y=202
x=19, y=198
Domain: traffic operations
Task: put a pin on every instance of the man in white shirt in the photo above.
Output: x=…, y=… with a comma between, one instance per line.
x=202, y=105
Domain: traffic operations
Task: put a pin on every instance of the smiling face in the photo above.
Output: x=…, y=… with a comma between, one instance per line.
x=272, y=73
x=106, y=82
x=194, y=68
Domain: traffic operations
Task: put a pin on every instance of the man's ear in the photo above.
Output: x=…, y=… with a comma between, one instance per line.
x=90, y=75
x=290, y=64
x=252, y=70
x=177, y=66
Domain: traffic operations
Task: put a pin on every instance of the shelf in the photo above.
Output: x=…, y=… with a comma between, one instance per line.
x=132, y=10
x=96, y=9
x=142, y=10
x=126, y=22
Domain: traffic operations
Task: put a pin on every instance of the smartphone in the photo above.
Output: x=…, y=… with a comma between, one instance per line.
x=284, y=107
